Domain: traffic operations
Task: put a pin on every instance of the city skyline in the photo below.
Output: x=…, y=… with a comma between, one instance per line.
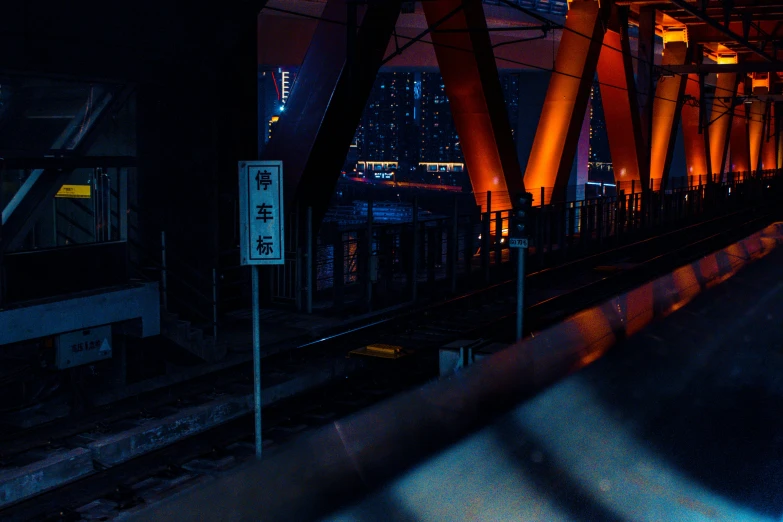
x=407, y=122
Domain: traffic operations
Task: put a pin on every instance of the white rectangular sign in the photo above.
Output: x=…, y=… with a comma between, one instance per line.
x=518, y=242
x=261, y=227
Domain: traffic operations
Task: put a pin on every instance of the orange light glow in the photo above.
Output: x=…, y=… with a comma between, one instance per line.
x=618, y=113
x=639, y=308
x=687, y=285
x=780, y=151
x=739, y=148
x=769, y=147
x=475, y=97
x=720, y=121
x=664, y=111
x=596, y=332
x=755, y=132
x=695, y=153
x=557, y=134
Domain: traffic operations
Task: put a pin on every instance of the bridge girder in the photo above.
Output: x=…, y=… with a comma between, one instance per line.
x=467, y=65
x=557, y=134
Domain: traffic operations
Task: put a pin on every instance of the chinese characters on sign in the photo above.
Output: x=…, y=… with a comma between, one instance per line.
x=261, y=213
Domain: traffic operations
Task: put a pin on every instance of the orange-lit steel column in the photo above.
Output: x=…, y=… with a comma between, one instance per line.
x=720, y=122
x=779, y=127
x=756, y=120
x=769, y=148
x=557, y=134
x=645, y=80
x=621, y=111
x=695, y=155
x=739, y=147
x=666, y=112
x=470, y=75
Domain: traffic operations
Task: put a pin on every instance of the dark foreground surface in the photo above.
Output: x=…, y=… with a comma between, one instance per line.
x=680, y=422
x=683, y=421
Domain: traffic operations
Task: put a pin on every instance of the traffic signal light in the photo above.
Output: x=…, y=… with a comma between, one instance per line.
x=520, y=214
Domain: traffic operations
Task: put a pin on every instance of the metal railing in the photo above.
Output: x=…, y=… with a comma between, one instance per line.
x=370, y=265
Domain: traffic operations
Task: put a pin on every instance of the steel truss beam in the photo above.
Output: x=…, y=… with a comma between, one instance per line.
x=20, y=214
x=693, y=124
x=720, y=122
x=667, y=107
x=729, y=68
x=621, y=109
x=69, y=162
x=769, y=146
x=557, y=134
x=779, y=138
x=467, y=64
x=698, y=13
x=739, y=148
x=756, y=121
x=327, y=101
x=645, y=80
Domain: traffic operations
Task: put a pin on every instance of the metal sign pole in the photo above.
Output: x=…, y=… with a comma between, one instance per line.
x=257, y=359
x=520, y=290
x=261, y=242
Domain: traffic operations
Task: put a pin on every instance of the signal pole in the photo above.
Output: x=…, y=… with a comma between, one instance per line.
x=520, y=212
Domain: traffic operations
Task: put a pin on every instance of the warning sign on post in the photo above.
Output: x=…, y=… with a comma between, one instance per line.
x=261, y=213
x=74, y=192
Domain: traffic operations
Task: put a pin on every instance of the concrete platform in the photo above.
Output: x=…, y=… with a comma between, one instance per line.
x=680, y=421
x=137, y=302
x=149, y=436
x=55, y=470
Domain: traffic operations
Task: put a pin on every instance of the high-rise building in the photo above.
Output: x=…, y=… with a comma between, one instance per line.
x=600, y=158
x=438, y=136
x=510, y=84
x=274, y=87
x=387, y=132
x=407, y=121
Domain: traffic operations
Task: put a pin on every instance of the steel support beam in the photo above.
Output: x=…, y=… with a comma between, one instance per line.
x=721, y=68
x=721, y=122
x=327, y=102
x=645, y=79
x=667, y=107
x=778, y=128
x=695, y=154
x=769, y=147
x=557, y=134
x=35, y=195
x=618, y=93
x=756, y=121
x=739, y=148
x=692, y=9
x=467, y=64
x=70, y=162
x=709, y=33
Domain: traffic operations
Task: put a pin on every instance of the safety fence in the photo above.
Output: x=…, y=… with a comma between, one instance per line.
x=374, y=265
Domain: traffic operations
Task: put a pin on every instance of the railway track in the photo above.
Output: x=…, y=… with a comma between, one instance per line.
x=555, y=294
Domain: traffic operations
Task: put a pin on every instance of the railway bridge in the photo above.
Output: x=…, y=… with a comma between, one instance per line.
x=406, y=151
